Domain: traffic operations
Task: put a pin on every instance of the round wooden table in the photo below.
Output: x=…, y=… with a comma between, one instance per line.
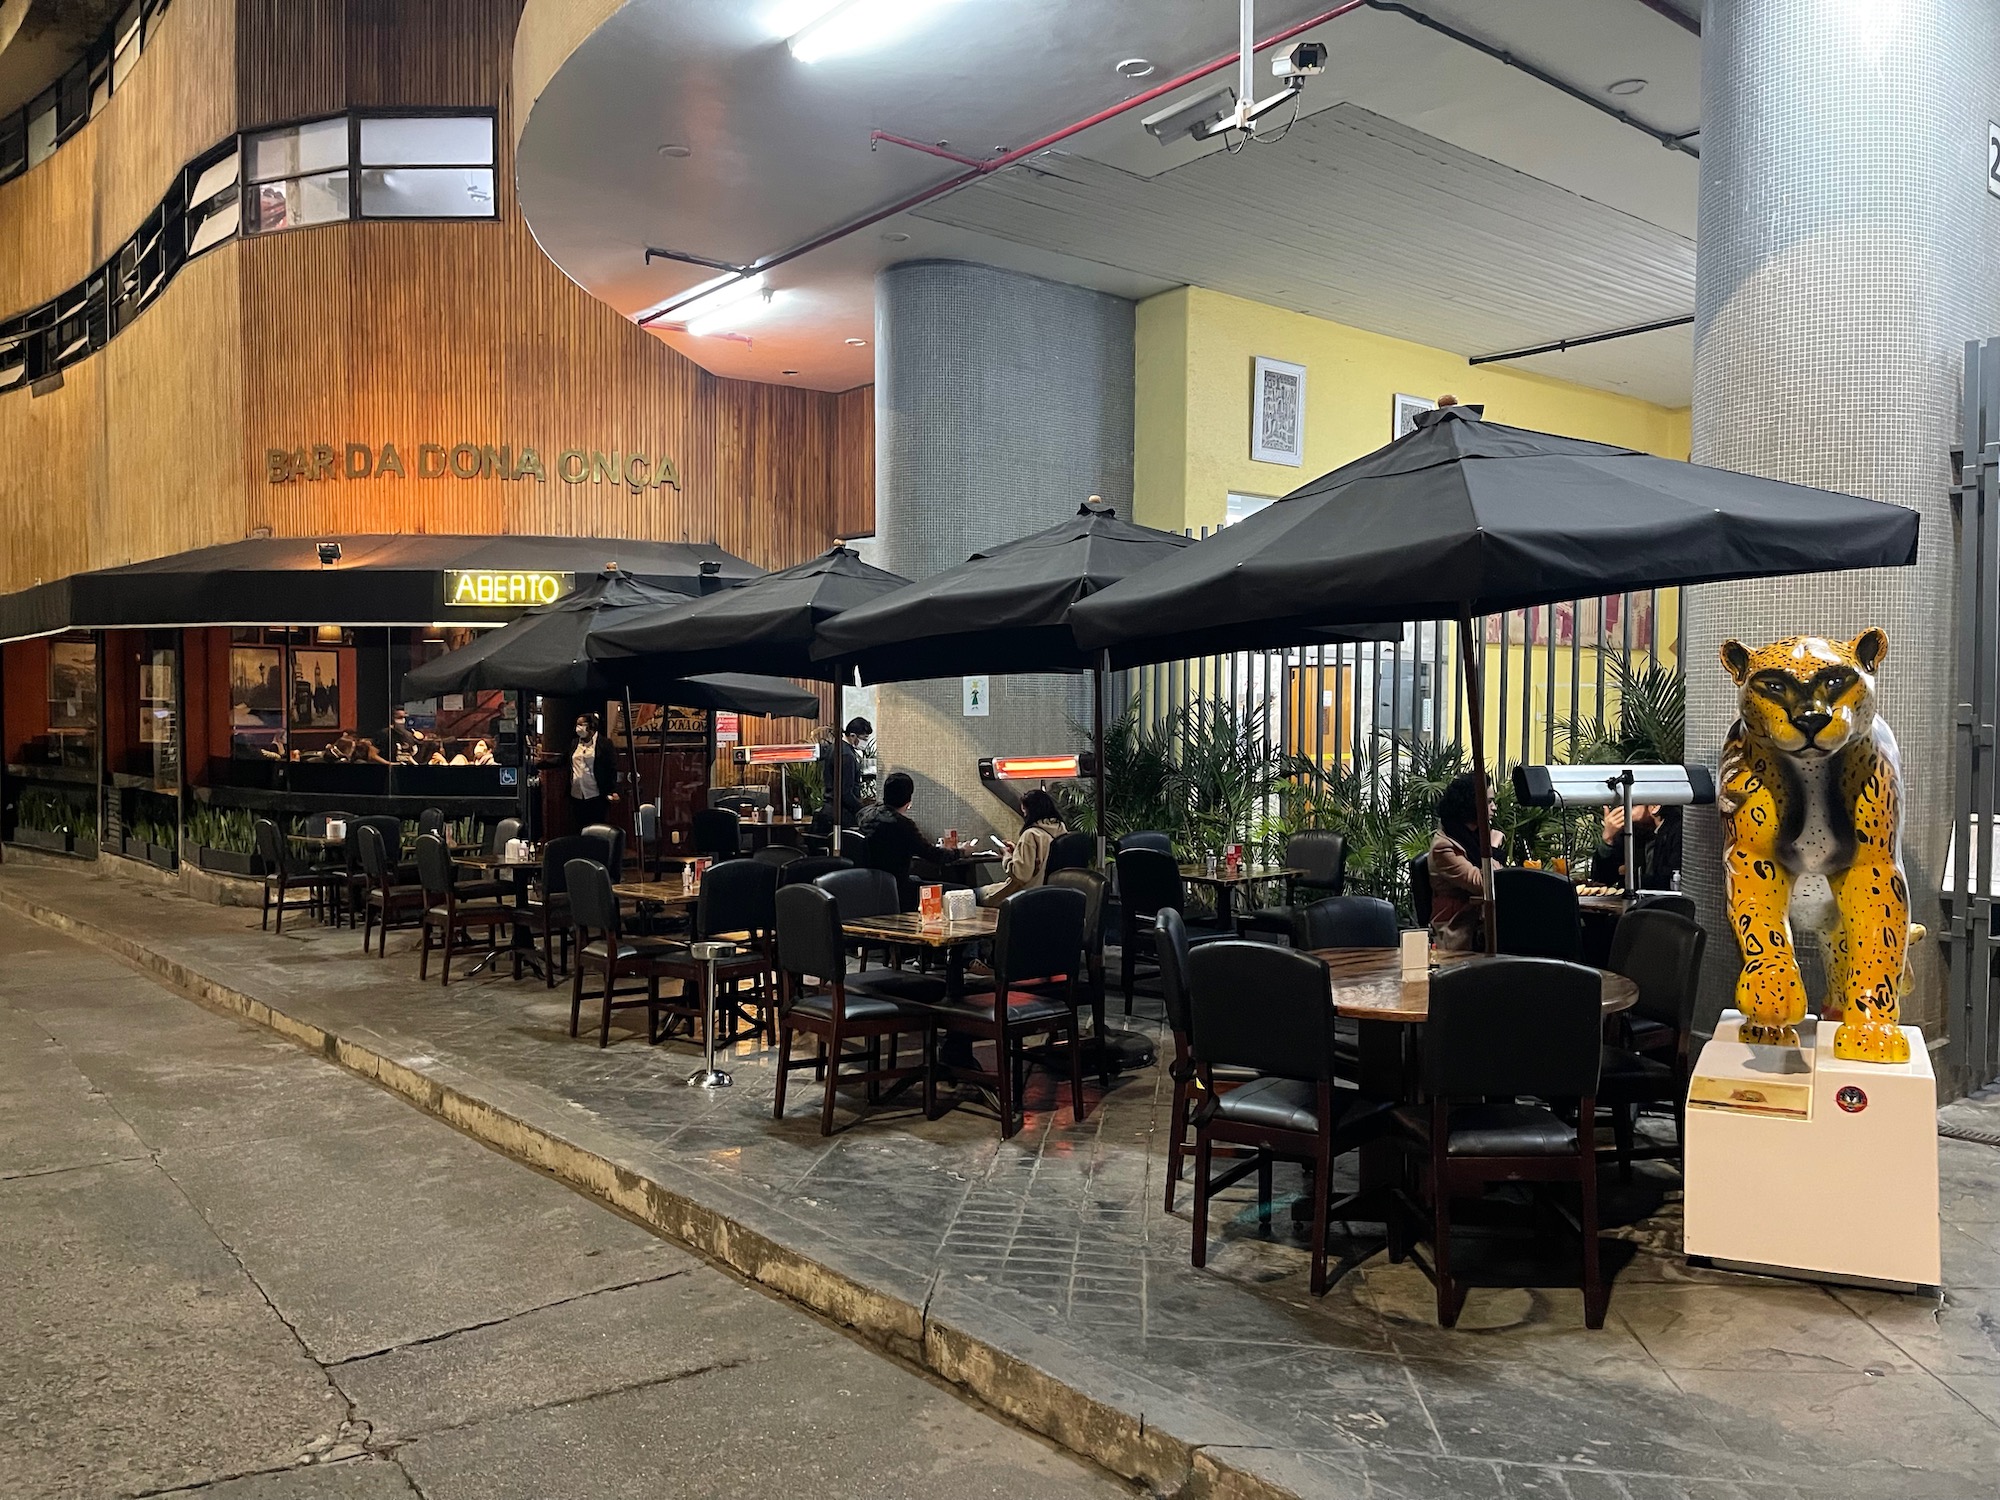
x=1368, y=984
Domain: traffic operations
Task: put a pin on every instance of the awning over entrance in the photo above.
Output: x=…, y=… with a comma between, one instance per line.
x=376, y=580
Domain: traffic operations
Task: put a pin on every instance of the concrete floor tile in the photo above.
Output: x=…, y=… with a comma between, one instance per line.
x=356, y=1479
x=1760, y=1327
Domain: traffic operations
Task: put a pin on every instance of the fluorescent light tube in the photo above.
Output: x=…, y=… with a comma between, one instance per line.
x=731, y=315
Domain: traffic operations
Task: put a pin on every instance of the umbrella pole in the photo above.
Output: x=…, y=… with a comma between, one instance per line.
x=632, y=758
x=1097, y=744
x=1476, y=717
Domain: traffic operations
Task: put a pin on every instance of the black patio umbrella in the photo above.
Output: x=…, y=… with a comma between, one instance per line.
x=1463, y=518
x=767, y=625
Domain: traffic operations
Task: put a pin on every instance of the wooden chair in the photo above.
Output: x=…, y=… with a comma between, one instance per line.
x=548, y=902
x=817, y=996
x=737, y=903
x=1149, y=882
x=450, y=919
x=1269, y=1011
x=1648, y=1065
x=283, y=870
x=1322, y=854
x=1537, y=913
x=1095, y=889
x=1175, y=986
x=613, y=836
x=717, y=833
x=390, y=900
x=1499, y=1032
x=601, y=945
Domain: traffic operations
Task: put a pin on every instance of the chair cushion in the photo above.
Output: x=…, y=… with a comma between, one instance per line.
x=898, y=984
x=859, y=1007
x=481, y=890
x=1650, y=1036
x=636, y=948
x=491, y=911
x=1023, y=1007
x=1273, y=1103
x=1627, y=1077
x=1492, y=1130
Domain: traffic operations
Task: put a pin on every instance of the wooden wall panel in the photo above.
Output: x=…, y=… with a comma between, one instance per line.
x=46, y=219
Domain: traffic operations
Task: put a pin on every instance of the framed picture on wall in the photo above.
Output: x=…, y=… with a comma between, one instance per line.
x=315, y=690
x=256, y=688
x=1278, y=413
x=1403, y=414
x=72, y=685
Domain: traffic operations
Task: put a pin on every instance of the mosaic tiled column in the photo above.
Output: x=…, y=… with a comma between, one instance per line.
x=1002, y=402
x=1847, y=248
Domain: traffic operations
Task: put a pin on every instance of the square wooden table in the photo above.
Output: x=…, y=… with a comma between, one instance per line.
x=908, y=928
x=1226, y=884
x=656, y=892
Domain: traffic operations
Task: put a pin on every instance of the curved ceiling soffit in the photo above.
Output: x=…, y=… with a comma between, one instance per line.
x=548, y=32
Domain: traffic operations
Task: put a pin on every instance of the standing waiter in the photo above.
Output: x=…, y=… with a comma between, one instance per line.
x=858, y=729
x=593, y=773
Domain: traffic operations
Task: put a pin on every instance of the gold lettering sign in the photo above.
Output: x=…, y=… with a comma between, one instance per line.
x=487, y=588
x=316, y=463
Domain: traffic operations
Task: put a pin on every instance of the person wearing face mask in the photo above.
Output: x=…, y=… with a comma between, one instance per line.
x=593, y=773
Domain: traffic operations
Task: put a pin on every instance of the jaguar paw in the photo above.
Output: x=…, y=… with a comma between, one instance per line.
x=1760, y=1035
x=1872, y=1042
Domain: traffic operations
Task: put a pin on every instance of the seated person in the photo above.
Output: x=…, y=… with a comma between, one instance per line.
x=341, y=747
x=482, y=753
x=437, y=757
x=1456, y=882
x=891, y=838
x=366, y=753
x=1657, y=842
x=1027, y=861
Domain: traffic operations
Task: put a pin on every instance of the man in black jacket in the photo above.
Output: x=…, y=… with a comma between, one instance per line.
x=858, y=729
x=891, y=838
x=1656, y=832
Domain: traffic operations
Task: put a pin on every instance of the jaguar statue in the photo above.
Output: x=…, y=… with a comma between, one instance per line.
x=1811, y=800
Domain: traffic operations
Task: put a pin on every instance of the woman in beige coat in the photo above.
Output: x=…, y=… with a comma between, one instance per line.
x=1027, y=863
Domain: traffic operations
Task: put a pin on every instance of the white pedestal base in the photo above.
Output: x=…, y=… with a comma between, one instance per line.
x=1801, y=1161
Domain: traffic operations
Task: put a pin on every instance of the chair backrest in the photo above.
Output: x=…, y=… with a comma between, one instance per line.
x=391, y=828
x=1677, y=902
x=271, y=846
x=1094, y=886
x=1148, y=881
x=649, y=822
x=1346, y=922
x=614, y=840
x=1537, y=913
x=738, y=895
x=717, y=832
x=1322, y=854
x=558, y=852
x=1159, y=842
x=1071, y=851
x=1660, y=951
x=809, y=933
x=863, y=893
x=805, y=871
x=505, y=829
x=593, y=905
x=1256, y=1005
x=431, y=820
x=1507, y=1026
x=779, y=854
x=374, y=853
x=1420, y=889
x=1174, y=979
x=849, y=842
x=434, y=866
x=1040, y=935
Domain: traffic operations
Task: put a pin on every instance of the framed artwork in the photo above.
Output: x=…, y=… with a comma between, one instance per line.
x=256, y=686
x=315, y=690
x=1403, y=414
x=72, y=685
x=1278, y=413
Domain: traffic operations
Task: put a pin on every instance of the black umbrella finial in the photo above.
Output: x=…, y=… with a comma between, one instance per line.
x=1095, y=506
x=1448, y=409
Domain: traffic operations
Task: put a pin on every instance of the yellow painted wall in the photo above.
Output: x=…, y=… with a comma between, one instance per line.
x=1194, y=353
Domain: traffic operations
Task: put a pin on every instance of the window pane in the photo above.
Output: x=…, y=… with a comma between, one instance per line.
x=41, y=129
x=215, y=226
x=218, y=176
x=427, y=141
x=299, y=149
x=428, y=193
x=301, y=200
x=13, y=144
x=125, y=46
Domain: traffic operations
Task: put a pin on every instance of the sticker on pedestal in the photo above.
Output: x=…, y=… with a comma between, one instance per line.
x=1851, y=1099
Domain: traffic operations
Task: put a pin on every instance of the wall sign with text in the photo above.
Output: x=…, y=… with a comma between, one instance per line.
x=320, y=462
x=490, y=587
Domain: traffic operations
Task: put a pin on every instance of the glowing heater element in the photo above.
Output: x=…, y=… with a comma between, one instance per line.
x=856, y=26
x=1033, y=767
x=775, y=755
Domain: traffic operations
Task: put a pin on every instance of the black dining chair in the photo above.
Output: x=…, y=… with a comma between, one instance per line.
x=1660, y=951
x=779, y=855
x=817, y=996
x=1678, y=902
x=603, y=946
x=614, y=837
x=717, y=833
x=431, y=820
x=548, y=899
x=737, y=903
x=1322, y=854
x=1420, y=889
x=449, y=917
x=390, y=899
x=1175, y=986
x=1537, y=913
x=861, y=893
x=1148, y=838
x=1096, y=890
x=1149, y=882
x=1346, y=922
x=504, y=831
x=1501, y=1033
x=805, y=871
x=285, y=870
x=1037, y=953
x=1269, y=1011
x=1071, y=851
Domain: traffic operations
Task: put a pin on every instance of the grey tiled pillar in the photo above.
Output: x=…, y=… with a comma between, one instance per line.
x=1002, y=402
x=1846, y=249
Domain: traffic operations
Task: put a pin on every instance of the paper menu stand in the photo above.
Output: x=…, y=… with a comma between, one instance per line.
x=930, y=906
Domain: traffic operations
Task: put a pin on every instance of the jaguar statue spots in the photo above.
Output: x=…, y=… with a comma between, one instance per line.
x=1811, y=800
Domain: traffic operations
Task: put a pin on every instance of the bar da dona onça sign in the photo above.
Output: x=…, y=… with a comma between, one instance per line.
x=320, y=462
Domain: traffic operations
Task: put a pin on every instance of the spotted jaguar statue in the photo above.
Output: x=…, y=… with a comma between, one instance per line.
x=1811, y=803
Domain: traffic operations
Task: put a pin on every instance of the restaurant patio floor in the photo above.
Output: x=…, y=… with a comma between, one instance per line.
x=1043, y=1275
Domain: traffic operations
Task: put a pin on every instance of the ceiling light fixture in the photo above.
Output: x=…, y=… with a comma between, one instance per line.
x=1135, y=67
x=788, y=372
x=896, y=237
x=1625, y=87
x=676, y=150
x=856, y=26
x=858, y=343
x=716, y=296
x=732, y=314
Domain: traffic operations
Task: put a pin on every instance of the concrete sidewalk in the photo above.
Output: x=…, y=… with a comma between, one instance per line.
x=229, y=1268
x=1042, y=1275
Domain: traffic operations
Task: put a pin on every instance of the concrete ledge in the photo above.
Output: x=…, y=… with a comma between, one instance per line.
x=1028, y=1395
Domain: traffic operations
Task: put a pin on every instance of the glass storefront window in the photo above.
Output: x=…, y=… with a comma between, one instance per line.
x=298, y=150
x=457, y=729
x=427, y=193
x=293, y=202
x=427, y=140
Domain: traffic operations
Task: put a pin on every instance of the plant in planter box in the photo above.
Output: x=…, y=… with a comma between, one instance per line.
x=41, y=819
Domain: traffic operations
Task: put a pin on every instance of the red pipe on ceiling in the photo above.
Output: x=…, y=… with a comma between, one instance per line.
x=1008, y=158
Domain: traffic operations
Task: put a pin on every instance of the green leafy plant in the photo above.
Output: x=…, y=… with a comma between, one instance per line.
x=227, y=830
x=1652, y=722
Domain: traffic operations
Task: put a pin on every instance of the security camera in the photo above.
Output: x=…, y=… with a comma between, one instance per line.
x=329, y=554
x=1301, y=61
x=1191, y=116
